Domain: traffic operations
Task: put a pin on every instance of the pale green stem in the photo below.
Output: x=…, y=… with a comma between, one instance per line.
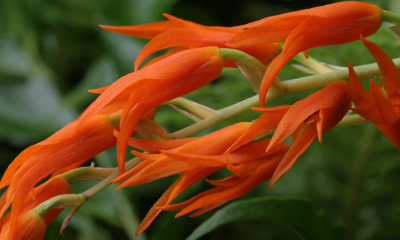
x=289, y=86
x=390, y=17
x=312, y=64
x=193, y=107
x=352, y=119
x=251, y=67
x=87, y=173
x=61, y=201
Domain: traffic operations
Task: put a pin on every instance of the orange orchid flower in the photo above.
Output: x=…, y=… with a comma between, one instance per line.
x=29, y=225
x=157, y=166
x=187, y=35
x=138, y=92
x=382, y=104
x=306, y=120
x=331, y=24
x=198, y=159
x=63, y=149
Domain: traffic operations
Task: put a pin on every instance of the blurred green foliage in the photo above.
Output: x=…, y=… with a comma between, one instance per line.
x=52, y=52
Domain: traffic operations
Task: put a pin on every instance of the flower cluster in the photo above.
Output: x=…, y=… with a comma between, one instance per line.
x=199, y=54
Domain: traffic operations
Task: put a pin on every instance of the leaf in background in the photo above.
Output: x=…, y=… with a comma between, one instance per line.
x=13, y=61
x=294, y=212
x=151, y=10
x=101, y=73
x=88, y=229
x=396, y=32
x=31, y=110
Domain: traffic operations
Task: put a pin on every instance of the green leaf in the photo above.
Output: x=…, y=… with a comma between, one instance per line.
x=31, y=110
x=100, y=74
x=295, y=213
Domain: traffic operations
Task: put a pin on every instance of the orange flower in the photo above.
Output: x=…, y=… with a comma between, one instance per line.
x=187, y=35
x=198, y=159
x=28, y=224
x=308, y=119
x=335, y=23
x=63, y=149
x=382, y=104
x=138, y=92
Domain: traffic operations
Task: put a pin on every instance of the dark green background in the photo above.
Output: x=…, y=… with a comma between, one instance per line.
x=52, y=52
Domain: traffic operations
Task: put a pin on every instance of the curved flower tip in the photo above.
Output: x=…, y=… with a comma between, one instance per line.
x=307, y=119
x=335, y=23
x=382, y=104
x=148, y=31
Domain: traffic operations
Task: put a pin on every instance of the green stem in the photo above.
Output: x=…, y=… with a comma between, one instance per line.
x=312, y=64
x=320, y=80
x=87, y=173
x=352, y=119
x=251, y=68
x=390, y=17
x=193, y=107
x=60, y=201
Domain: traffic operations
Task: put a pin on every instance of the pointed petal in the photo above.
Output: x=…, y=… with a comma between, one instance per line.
x=184, y=38
x=388, y=69
x=269, y=120
x=381, y=110
x=148, y=31
x=155, y=146
x=182, y=205
x=298, y=147
x=227, y=182
x=131, y=172
x=332, y=96
x=359, y=96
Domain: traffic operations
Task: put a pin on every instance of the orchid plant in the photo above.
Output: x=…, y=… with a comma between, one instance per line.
x=124, y=116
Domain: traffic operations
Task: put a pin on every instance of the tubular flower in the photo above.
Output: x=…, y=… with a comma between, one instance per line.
x=306, y=120
x=143, y=90
x=331, y=24
x=29, y=224
x=63, y=149
x=196, y=160
x=187, y=35
x=382, y=104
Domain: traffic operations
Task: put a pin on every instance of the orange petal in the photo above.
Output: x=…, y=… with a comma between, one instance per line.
x=269, y=120
x=296, y=149
x=184, y=38
x=333, y=96
x=388, y=69
x=244, y=154
x=182, y=205
x=358, y=94
x=148, y=31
